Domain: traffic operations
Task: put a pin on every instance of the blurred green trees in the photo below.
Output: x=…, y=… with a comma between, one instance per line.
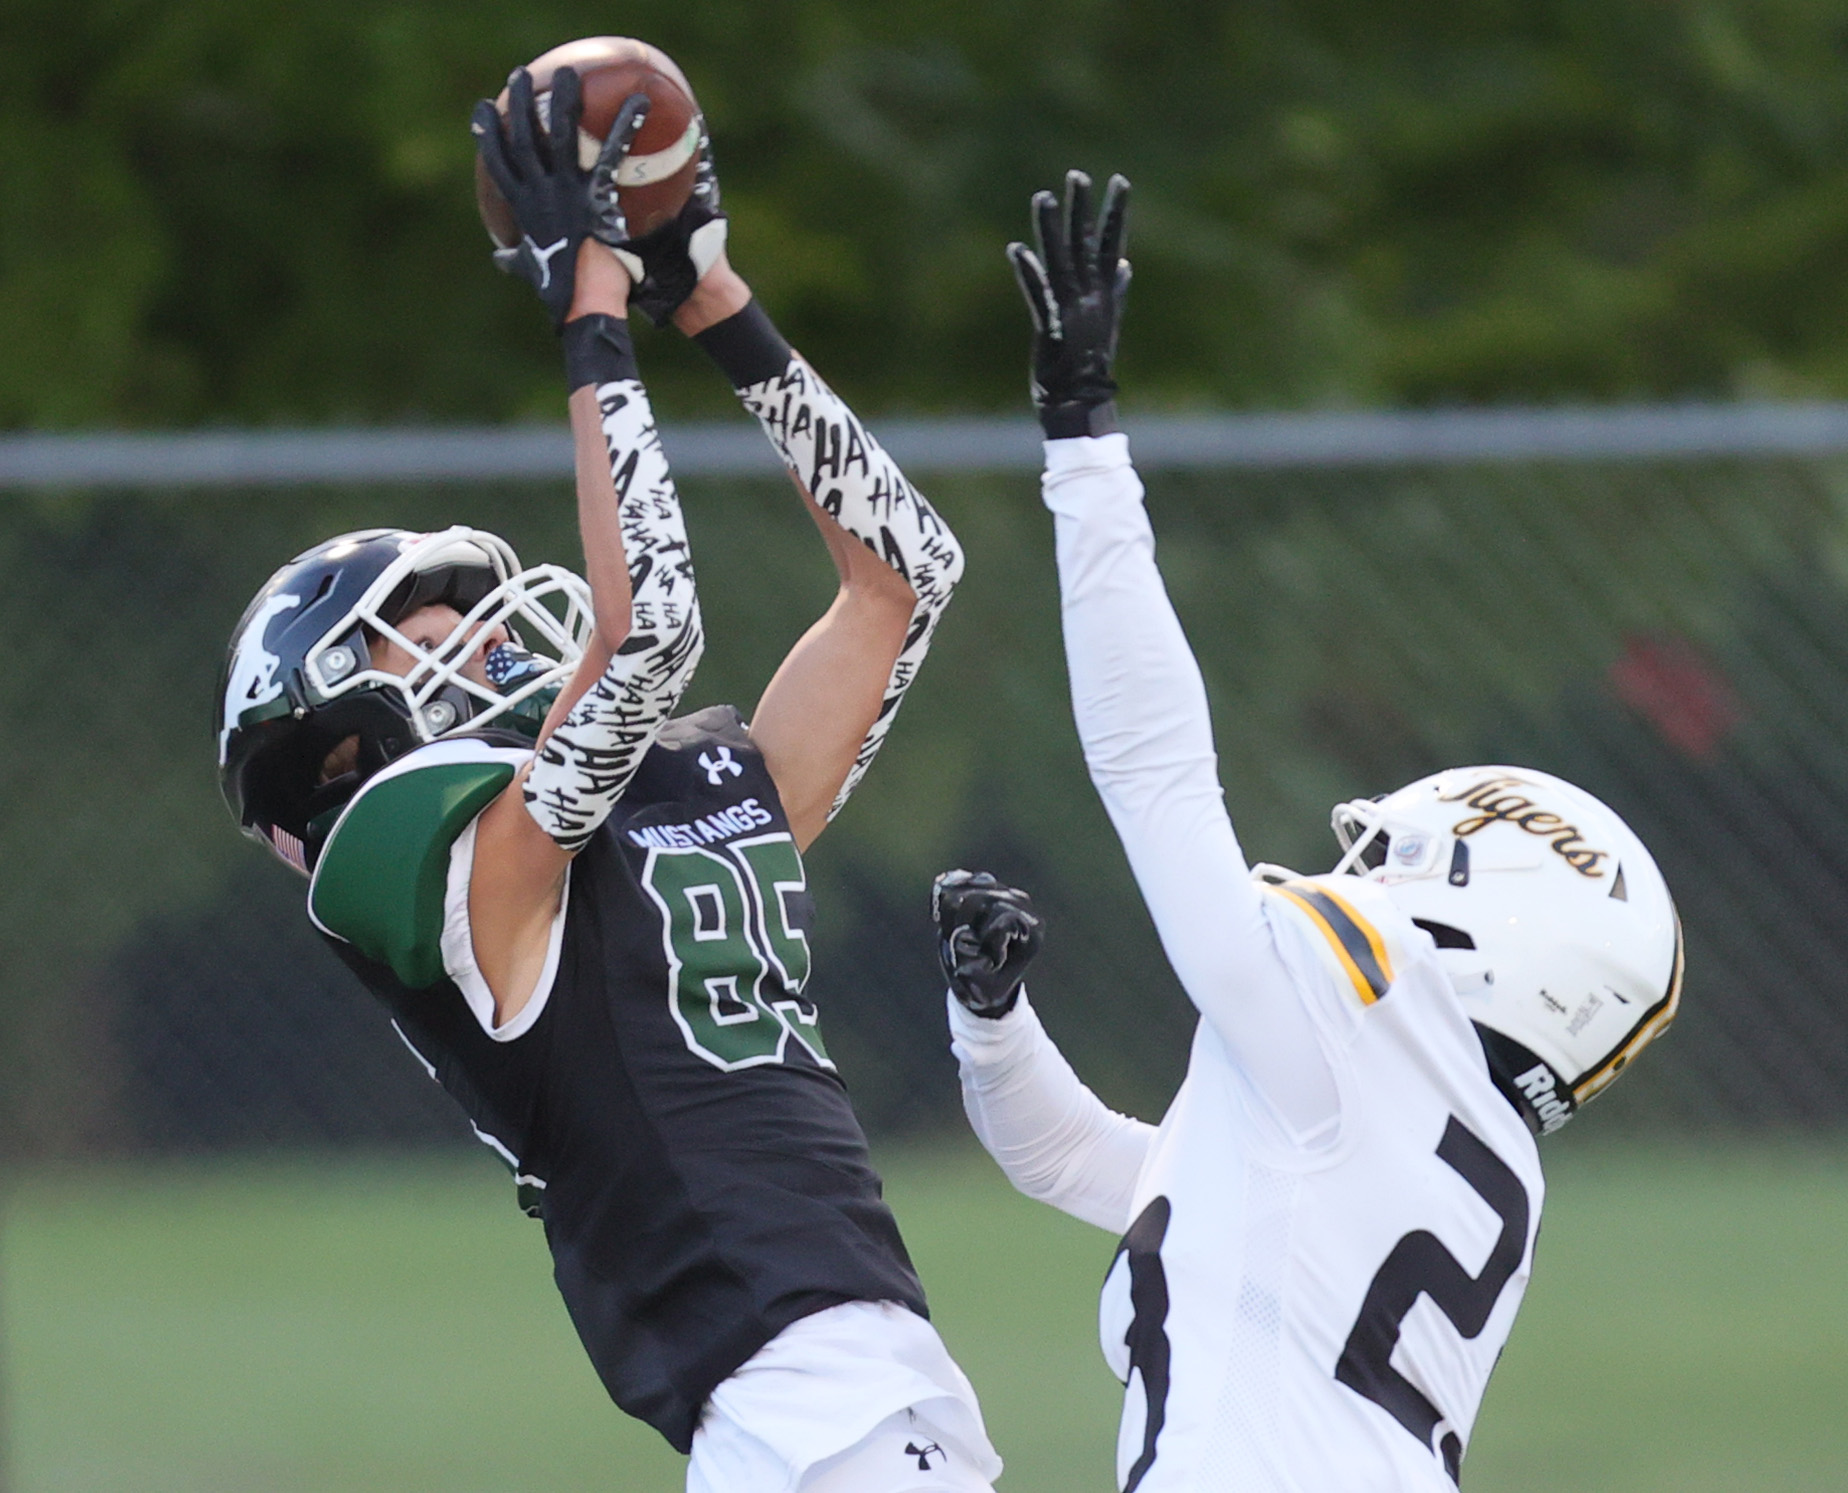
x=236, y=210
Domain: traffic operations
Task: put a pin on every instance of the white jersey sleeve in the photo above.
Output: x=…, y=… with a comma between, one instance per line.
x=1141, y=711
x=1053, y=1138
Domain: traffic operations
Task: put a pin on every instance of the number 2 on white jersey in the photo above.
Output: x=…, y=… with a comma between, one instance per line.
x=1420, y=1264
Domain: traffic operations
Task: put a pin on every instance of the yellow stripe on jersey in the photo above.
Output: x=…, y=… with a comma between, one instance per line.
x=1356, y=942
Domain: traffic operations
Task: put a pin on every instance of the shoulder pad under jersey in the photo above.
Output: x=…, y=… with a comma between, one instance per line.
x=382, y=873
x=721, y=721
x=1358, y=925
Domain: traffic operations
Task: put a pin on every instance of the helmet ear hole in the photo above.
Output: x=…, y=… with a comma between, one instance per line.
x=341, y=760
x=1445, y=936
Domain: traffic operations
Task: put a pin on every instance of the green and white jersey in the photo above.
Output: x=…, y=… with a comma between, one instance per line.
x=666, y=1090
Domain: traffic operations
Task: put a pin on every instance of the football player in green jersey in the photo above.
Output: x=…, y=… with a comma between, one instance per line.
x=589, y=918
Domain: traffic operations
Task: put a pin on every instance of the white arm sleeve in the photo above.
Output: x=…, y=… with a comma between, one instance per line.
x=855, y=482
x=1141, y=711
x=1056, y=1140
x=582, y=768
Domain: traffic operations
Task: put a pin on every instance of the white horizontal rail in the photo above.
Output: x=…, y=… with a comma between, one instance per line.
x=514, y=453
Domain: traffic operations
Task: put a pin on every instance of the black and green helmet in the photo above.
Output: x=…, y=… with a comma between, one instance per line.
x=299, y=676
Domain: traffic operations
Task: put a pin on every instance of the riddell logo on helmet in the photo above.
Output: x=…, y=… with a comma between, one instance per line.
x=1542, y=1091
x=1494, y=800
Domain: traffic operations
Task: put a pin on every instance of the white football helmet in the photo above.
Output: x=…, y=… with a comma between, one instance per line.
x=1550, y=915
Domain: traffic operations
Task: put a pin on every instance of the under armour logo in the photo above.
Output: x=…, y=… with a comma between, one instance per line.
x=544, y=258
x=717, y=767
x=924, y=1453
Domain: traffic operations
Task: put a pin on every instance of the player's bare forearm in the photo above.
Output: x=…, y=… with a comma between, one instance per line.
x=603, y=290
x=817, y=710
x=606, y=564
x=720, y=294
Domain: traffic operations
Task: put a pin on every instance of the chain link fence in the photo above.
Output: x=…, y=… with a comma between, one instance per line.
x=1669, y=631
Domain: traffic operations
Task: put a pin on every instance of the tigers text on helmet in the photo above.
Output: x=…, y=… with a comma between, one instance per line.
x=299, y=676
x=1556, y=927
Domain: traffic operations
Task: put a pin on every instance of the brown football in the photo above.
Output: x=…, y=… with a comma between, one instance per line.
x=657, y=178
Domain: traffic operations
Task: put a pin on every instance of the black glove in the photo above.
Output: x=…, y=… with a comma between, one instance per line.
x=1075, y=287
x=987, y=935
x=556, y=202
x=667, y=263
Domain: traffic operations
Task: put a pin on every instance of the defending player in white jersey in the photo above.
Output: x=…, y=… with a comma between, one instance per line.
x=1326, y=1239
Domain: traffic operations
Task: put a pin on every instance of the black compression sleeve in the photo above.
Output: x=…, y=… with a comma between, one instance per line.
x=746, y=346
x=597, y=351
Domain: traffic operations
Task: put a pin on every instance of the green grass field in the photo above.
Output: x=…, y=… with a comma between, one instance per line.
x=344, y=1327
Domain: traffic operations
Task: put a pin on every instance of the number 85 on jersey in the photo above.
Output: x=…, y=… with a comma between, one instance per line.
x=736, y=961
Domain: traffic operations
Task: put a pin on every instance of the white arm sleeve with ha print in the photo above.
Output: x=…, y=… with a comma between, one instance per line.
x=840, y=464
x=583, y=767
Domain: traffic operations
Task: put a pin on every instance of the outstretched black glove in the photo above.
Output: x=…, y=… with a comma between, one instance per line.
x=667, y=263
x=556, y=202
x=1075, y=287
x=987, y=935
